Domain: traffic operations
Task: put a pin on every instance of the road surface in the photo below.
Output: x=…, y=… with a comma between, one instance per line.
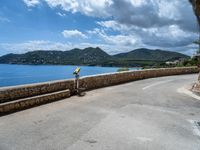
x=151, y=114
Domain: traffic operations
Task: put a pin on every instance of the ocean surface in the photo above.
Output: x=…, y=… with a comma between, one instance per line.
x=11, y=75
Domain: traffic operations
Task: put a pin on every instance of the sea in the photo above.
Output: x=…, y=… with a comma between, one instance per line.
x=11, y=75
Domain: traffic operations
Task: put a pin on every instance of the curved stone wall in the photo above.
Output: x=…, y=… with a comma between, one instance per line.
x=88, y=82
x=24, y=91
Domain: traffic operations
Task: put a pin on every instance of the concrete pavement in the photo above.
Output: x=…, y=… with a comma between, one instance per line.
x=149, y=114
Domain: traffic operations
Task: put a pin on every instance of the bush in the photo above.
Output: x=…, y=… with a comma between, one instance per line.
x=122, y=69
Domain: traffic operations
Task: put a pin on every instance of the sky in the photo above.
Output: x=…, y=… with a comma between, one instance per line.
x=114, y=25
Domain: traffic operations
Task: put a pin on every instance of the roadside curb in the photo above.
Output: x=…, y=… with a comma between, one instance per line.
x=187, y=90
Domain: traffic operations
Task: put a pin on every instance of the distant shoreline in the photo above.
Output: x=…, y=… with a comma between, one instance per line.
x=95, y=57
x=70, y=65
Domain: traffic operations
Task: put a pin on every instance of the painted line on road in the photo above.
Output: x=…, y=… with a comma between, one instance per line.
x=188, y=92
x=195, y=128
x=155, y=84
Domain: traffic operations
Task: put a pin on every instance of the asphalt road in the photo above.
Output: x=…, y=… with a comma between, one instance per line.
x=152, y=114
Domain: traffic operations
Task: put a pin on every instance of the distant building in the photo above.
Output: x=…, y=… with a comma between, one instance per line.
x=172, y=62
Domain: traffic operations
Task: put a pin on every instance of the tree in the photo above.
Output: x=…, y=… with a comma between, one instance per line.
x=196, y=9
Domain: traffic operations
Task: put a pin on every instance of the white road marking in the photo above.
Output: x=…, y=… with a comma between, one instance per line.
x=188, y=92
x=155, y=84
x=195, y=128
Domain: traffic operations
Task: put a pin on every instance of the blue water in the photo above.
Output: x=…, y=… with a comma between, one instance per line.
x=11, y=75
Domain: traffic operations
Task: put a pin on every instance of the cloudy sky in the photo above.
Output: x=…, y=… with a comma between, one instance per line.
x=114, y=25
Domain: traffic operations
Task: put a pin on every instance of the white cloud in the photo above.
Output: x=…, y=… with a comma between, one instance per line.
x=170, y=9
x=165, y=24
x=123, y=40
x=116, y=26
x=166, y=36
x=19, y=48
x=87, y=7
x=73, y=33
x=67, y=5
x=138, y=3
x=33, y=45
x=130, y=40
x=61, y=14
x=23, y=47
x=109, y=24
x=31, y=3
x=172, y=31
x=108, y=47
x=141, y=13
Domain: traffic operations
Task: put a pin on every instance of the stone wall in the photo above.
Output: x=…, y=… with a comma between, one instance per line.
x=24, y=91
x=89, y=82
x=21, y=104
x=98, y=81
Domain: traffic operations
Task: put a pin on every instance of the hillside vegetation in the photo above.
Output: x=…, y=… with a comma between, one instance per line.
x=93, y=57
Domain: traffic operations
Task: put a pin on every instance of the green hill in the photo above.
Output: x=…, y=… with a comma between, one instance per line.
x=93, y=56
x=151, y=55
x=87, y=56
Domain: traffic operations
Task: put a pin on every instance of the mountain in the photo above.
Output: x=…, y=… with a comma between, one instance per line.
x=87, y=56
x=93, y=56
x=151, y=55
